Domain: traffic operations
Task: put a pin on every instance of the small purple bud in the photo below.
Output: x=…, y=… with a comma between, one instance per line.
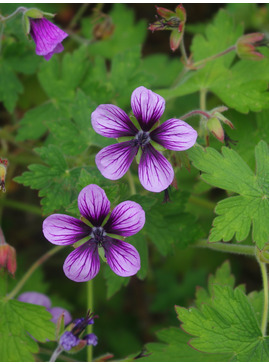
x=68, y=340
x=91, y=339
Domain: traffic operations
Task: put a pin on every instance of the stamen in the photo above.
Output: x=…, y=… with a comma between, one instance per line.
x=142, y=138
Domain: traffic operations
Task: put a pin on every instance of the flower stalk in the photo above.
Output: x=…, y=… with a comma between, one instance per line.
x=227, y=248
x=31, y=270
x=266, y=299
x=3, y=19
x=90, y=307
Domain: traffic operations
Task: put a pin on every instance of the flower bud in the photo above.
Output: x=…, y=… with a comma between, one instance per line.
x=3, y=171
x=8, y=258
x=215, y=127
x=246, y=46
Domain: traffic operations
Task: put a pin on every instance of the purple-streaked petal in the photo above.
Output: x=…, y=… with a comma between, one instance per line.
x=174, y=134
x=47, y=37
x=35, y=298
x=154, y=170
x=114, y=161
x=93, y=204
x=147, y=107
x=122, y=257
x=62, y=229
x=126, y=219
x=83, y=263
x=57, y=312
x=58, y=49
x=112, y=122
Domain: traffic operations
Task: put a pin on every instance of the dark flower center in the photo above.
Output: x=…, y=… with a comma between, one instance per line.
x=98, y=234
x=142, y=138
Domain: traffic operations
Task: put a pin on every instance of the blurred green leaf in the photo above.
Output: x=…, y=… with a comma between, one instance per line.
x=19, y=320
x=127, y=33
x=113, y=281
x=10, y=86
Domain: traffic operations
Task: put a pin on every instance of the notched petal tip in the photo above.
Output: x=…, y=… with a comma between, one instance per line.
x=112, y=122
x=83, y=263
x=93, y=204
x=126, y=219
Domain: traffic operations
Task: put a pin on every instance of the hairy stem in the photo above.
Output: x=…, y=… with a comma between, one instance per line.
x=31, y=270
x=56, y=353
x=265, y=305
x=17, y=11
x=78, y=15
x=131, y=182
x=195, y=112
x=227, y=248
x=183, y=50
x=211, y=58
x=89, y=307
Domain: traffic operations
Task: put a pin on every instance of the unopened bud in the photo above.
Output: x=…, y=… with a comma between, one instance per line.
x=3, y=171
x=7, y=255
x=215, y=127
x=224, y=119
x=246, y=46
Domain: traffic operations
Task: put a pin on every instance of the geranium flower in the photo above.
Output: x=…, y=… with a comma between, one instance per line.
x=155, y=172
x=41, y=299
x=47, y=37
x=83, y=263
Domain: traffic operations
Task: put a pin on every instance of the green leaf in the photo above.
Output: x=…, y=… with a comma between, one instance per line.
x=172, y=214
x=10, y=86
x=222, y=277
x=127, y=32
x=174, y=347
x=74, y=132
x=227, y=324
x=56, y=181
x=34, y=123
x=60, y=79
x=229, y=171
x=19, y=320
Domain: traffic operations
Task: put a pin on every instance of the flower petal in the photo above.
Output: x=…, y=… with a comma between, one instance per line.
x=83, y=263
x=35, y=298
x=112, y=122
x=46, y=36
x=147, y=107
x=114, y=161
x=122, y=257
x=57, y=312
x=126, y=219
x=174, y=134
x=155, y=172
x=62, y=229
x=58, y=49
x=93, y=204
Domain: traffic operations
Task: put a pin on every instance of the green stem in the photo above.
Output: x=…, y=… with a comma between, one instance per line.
x=203, y=93
x=78, y=15
x=31, y=270
x=89, y=307
x=227, y=248
x=17, y=11
x=2, y=26
x=211, y=58
x=183, y=51
x=56, y=353
x=131, y=183
x=265, y=305
x=21, y=206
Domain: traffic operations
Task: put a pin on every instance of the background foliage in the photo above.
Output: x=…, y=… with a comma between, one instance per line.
x=47, y=136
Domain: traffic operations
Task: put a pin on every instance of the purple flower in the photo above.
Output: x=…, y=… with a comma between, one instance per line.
x=47, y=37
x=70, y=339
x=83, y=263
x=43, y=300
x=155, y=172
